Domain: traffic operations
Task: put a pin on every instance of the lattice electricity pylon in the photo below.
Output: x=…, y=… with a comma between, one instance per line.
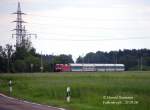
x=22, y=37
x=25, y=39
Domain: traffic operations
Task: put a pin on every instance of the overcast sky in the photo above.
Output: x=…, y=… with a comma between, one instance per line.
x=80, y=26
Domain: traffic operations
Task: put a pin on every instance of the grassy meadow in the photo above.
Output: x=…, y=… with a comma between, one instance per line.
x=87, y=89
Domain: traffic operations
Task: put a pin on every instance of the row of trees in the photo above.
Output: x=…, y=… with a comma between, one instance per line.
x=27, y=60
x=18, y=60
x=133, y=59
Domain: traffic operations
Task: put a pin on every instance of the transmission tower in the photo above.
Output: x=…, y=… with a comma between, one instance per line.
x=22, y=37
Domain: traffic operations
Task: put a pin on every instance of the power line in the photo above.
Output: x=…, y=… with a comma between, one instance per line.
x=79, y=26
x=70, y=26
x=87, y=35
x=69, y=17
x=96, y=40
x=67, y=35
x=87, y=18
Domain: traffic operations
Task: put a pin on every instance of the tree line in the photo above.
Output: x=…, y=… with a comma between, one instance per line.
x=19, y=60
x=132, y=59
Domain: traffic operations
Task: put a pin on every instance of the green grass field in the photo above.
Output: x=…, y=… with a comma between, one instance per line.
x=87, y=89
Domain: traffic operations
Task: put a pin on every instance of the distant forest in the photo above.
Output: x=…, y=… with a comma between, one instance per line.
x=132, y=59
x=21, y=60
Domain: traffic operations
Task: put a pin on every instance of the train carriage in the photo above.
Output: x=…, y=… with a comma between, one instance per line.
x=76, y=67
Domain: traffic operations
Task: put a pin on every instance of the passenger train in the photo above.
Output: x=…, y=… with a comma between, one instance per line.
x=88, y=67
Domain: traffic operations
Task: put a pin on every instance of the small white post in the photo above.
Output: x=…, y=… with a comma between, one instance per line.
x=68, y=94
x=10, y=86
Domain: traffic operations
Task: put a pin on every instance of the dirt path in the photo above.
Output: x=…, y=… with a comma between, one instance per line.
x=8, y=103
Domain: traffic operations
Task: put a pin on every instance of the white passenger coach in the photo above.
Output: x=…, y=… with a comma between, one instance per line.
x=97, y=67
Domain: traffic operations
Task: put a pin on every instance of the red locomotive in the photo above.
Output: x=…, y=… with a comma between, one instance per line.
x=62, y=67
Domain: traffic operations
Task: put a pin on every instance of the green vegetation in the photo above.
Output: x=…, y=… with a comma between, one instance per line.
x=87, y=89
x=24, y=59
x=132, y=59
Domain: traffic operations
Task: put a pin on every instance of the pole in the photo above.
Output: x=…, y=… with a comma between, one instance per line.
x=68, y=94
x=31, y=65
x=41, y=63
x=8, y=64
x=10, y=86
x=52, y=61
x=141, y=63
x=116, y=61
x=116, y=58
x=82, y=62
x=138, y=64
